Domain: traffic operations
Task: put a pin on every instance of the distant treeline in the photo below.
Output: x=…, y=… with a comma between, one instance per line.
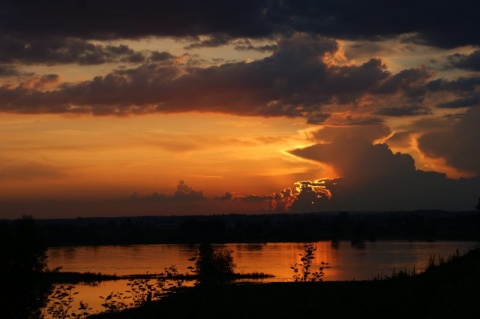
x=356, y=227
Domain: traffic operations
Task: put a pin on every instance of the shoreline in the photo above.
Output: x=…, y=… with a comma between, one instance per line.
x=446, y=289
x=429, y=225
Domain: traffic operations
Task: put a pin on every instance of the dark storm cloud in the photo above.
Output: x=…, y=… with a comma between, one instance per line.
x=406, y=110
x=57, y=50
x=442, y=24
x=375, y=178
x=464, y=61
x=458, y=143
x=109, y=19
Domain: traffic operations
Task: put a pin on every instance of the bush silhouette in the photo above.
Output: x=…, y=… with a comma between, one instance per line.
x=213, y=266
x=302, y=272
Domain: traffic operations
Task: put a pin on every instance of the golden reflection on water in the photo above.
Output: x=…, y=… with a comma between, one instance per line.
x=276, y=258
x=346, y=261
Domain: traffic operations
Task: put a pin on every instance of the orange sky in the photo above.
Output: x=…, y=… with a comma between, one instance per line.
x=100, y=119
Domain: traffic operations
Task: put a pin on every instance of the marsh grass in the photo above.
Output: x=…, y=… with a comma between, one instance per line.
x=433, y=264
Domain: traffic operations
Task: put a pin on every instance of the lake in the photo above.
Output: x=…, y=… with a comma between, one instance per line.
x=346, y=261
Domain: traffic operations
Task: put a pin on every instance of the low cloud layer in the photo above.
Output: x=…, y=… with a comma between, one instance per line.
x=295, y=81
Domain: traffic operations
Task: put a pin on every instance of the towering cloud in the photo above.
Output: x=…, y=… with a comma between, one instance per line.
x=375, y=178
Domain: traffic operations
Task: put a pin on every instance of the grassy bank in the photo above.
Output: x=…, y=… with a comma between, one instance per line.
x=446, y=289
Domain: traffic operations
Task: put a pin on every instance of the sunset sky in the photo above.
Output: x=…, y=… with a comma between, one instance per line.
x=123, y=108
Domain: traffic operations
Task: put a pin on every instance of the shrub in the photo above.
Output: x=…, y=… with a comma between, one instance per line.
x=302, y=272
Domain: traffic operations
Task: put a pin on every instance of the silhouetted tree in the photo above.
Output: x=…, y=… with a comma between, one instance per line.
x=478, y=205
x=22, y=261
x=23, y=251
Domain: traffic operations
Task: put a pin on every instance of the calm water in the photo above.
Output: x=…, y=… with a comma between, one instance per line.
x=346, y=262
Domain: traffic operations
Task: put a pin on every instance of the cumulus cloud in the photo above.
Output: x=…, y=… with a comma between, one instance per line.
x=183, y=193
x=375, y=178
x=227, y=196
x=186, y=193
x=295, y=81
x=310, y=196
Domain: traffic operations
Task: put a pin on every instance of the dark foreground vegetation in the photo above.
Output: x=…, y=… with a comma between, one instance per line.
x=446, y=289
x=367, y=226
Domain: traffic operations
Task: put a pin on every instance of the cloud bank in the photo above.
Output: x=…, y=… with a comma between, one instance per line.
x=375, y=178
